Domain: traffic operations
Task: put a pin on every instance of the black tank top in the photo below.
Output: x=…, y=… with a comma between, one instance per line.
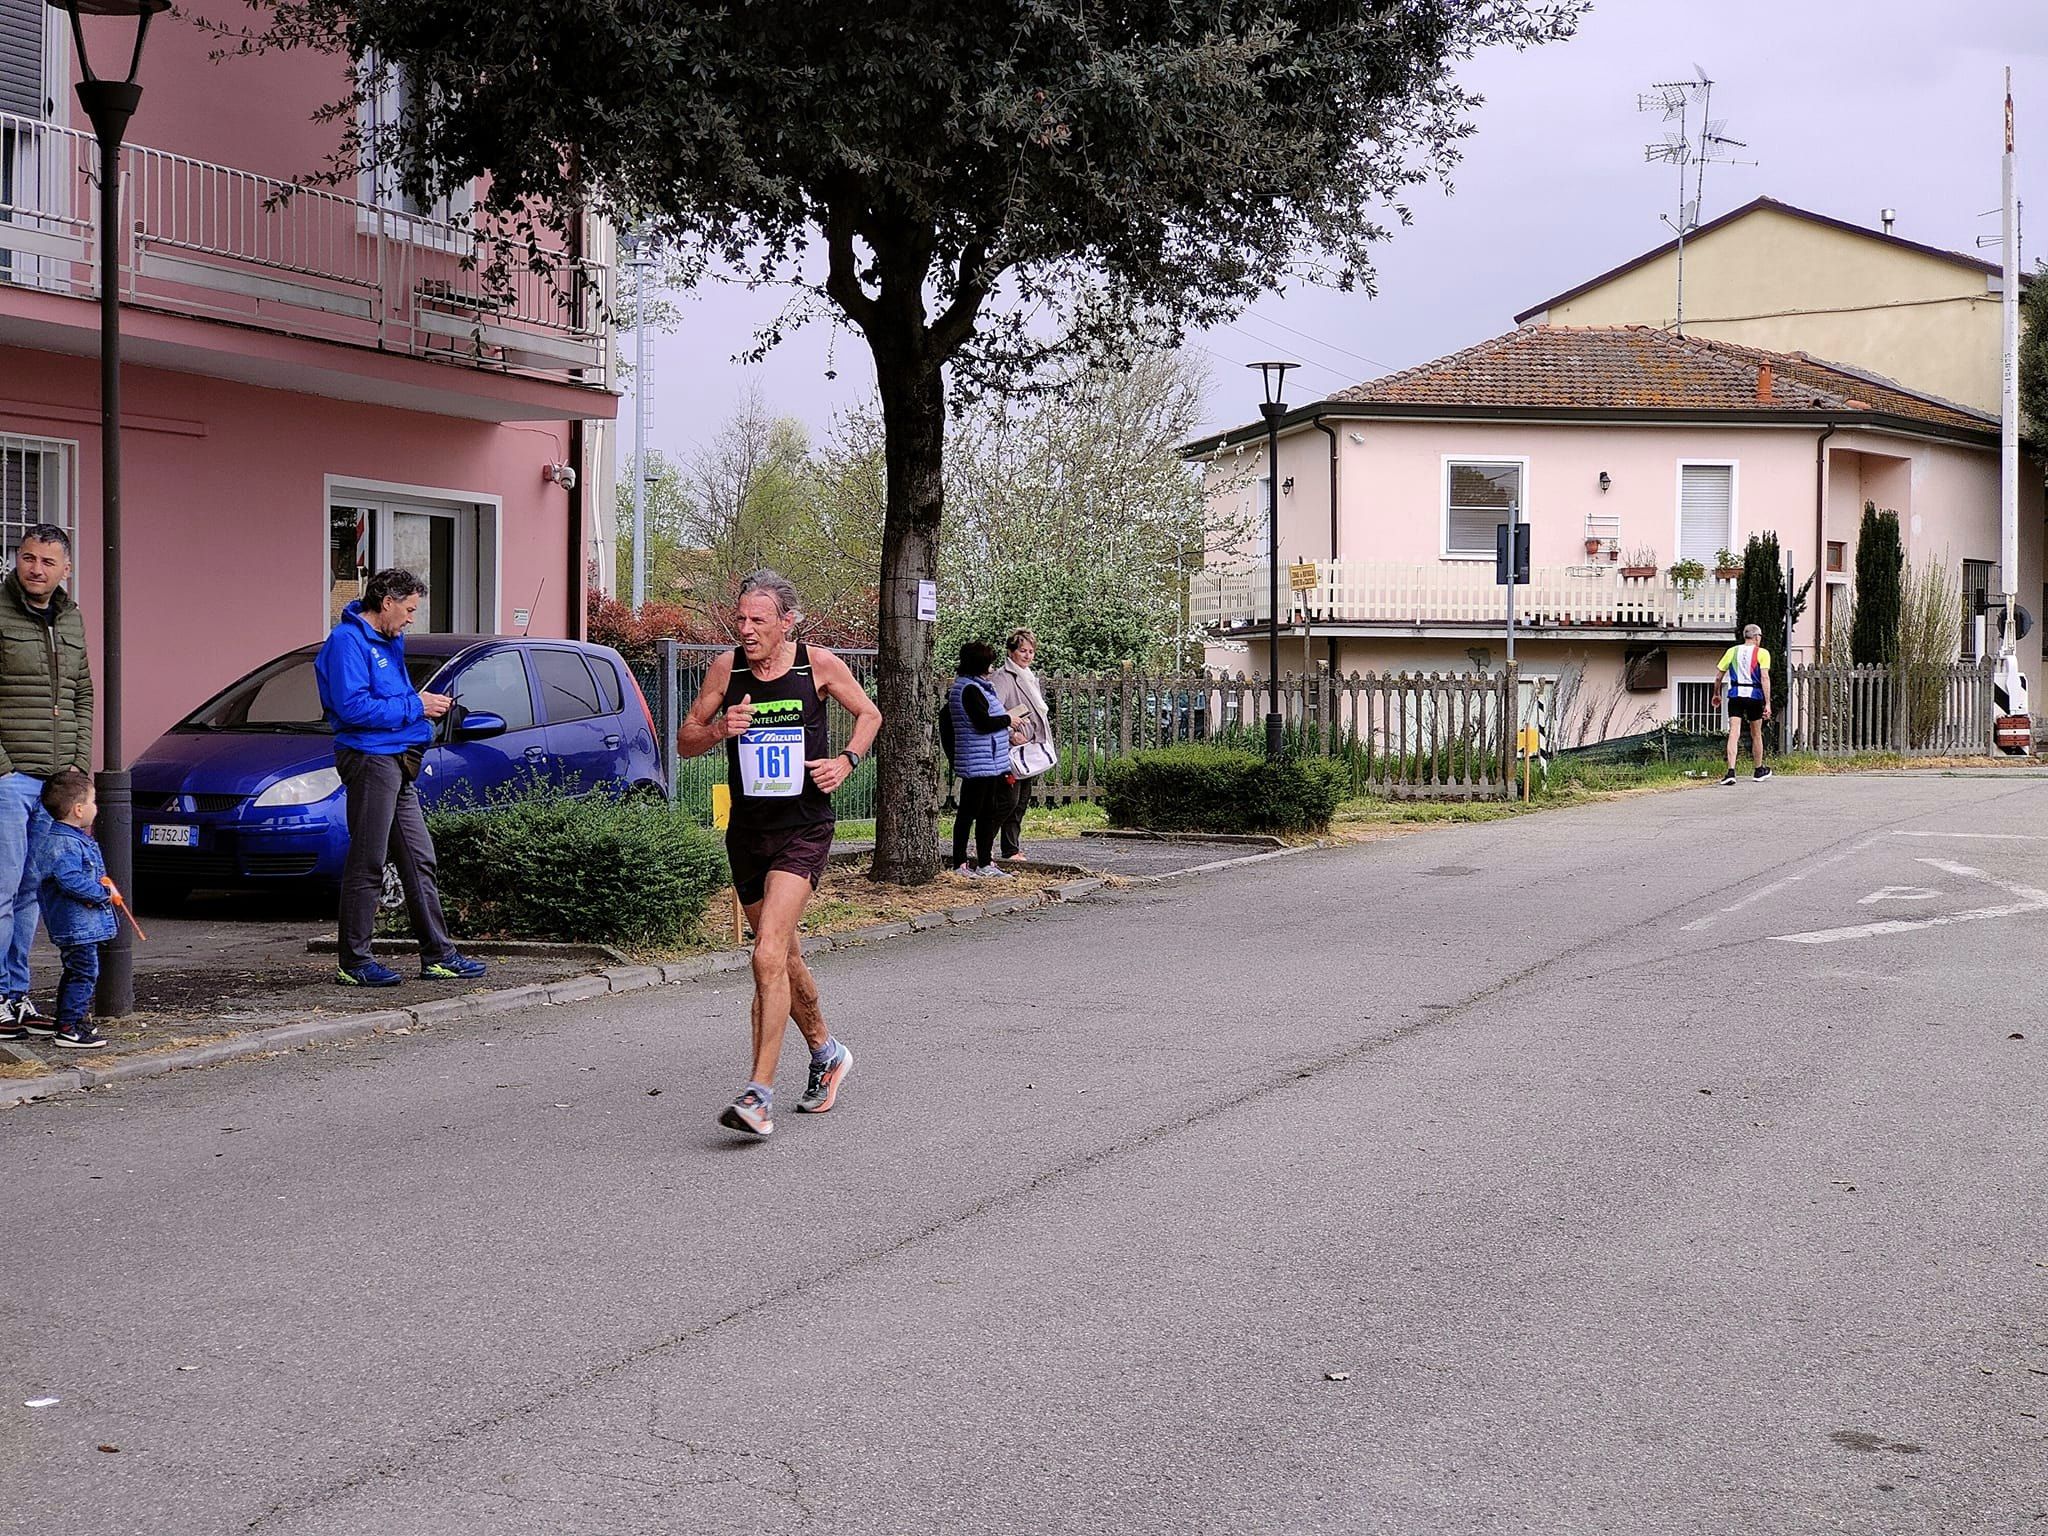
x=788, y=728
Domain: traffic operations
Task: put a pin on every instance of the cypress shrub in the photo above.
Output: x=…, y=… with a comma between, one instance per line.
x=1880, y=566
x=589, y=869
x=1218, y=789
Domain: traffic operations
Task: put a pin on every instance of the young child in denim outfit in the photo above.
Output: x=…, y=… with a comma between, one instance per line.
x=78, y=905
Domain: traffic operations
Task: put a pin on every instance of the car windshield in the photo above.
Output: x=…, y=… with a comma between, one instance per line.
x=282, y=697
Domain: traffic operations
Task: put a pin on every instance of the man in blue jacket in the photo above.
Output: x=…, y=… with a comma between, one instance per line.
x=381, y=729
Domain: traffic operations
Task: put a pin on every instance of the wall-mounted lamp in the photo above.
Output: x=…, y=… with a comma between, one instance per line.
x=1357, y=437
x=1287, y=486
x=1605, y=480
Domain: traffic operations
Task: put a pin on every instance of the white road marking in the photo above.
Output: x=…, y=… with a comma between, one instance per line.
x=1772, y=889
x=1902, y=925
x=2024, y=892
x=1899, y=893
x=1990, y=837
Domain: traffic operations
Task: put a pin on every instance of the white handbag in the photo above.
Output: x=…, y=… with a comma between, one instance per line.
x=1028, y=759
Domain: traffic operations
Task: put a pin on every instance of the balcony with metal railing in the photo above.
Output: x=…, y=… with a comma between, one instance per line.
x=214, y=242
x=1458, y=597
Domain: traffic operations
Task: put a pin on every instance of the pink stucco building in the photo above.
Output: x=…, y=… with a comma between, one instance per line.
x=316, y=382
x=1625, y=448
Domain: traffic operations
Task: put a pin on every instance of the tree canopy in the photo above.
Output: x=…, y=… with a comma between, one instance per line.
x=975, y=185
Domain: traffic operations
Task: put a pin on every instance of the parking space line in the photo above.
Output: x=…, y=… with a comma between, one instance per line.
x=1700, y=923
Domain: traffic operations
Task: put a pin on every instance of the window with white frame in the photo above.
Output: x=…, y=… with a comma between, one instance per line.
x=1480, y=495
x=1706, y=511
x=1696, y=711
x=35, y=487
x=397, y=101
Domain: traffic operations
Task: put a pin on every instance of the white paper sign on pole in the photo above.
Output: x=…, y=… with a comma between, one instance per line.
x=928, y=601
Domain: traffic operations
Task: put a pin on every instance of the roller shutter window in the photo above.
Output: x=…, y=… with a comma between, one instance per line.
x=21, y=58
x=1706, y=506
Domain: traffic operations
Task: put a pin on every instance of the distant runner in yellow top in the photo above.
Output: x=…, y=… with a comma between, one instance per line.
x=1744, y=676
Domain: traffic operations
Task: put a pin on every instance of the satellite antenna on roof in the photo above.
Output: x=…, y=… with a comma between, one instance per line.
x=1699, y=141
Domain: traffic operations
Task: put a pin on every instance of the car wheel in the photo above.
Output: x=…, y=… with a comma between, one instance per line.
x=392, y=897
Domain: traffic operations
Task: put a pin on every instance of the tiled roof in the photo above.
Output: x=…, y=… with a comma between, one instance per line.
x=1640, y=368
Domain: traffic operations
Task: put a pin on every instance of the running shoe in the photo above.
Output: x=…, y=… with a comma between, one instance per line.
x=1763, y=772
x=452, y=967
x=368, y=974
x=1728, y=777
x=81, y=1037
x=993, y=872
x=33, y=1019
x=966, y=871
x=823, y=1088
x=10, y=1028
x=748, y=1114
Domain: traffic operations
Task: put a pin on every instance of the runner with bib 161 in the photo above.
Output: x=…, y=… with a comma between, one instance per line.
x=765, y=702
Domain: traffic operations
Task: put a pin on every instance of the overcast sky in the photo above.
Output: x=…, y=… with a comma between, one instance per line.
x=1848, y=106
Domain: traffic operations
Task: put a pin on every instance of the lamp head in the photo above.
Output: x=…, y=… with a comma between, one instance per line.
x=138, y=11
x=1273, y=375
x=1605, y=480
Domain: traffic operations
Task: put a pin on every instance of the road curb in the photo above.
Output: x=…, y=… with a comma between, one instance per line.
x=290, y=1034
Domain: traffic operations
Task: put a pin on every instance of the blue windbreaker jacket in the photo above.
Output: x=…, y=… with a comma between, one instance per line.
x=369, y=699
x=76, y=907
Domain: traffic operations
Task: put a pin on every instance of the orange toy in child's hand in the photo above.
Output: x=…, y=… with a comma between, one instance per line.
x=121, y=907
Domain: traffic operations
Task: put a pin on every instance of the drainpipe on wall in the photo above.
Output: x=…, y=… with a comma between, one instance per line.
x=1820, y=542
x=1330, y=432
x=579, y=619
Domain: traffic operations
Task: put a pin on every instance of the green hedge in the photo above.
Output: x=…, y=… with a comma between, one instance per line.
x=1220, y=789
x=543, y=865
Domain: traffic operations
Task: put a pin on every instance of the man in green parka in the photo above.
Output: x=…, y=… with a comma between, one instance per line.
x=45, y=725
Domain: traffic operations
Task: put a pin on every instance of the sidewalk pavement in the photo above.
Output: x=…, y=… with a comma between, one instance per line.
x=233, y=975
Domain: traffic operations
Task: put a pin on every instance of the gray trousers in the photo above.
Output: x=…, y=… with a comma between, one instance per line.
x=384, y=823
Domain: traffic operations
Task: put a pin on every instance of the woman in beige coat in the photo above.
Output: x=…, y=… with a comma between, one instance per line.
x=1030, y=722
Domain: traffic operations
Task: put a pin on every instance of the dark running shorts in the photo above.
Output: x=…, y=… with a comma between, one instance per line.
x=753, y=853
x=1745, y=709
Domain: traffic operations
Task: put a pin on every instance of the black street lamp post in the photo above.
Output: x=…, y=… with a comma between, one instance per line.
x=1274, y=376
x=109, y=104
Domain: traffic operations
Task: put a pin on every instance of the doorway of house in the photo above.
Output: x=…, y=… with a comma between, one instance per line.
x=451, y=546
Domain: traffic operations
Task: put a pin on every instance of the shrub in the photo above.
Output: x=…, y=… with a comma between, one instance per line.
x=544, y=865
x=1880, y=564
x=1218, y=789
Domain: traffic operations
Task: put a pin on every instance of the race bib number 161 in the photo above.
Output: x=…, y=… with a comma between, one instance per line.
x=772, y=762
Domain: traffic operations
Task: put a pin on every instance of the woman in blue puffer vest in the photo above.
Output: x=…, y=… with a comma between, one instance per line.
x=976, y=732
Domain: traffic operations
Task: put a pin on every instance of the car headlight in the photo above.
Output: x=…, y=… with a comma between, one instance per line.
x=301, y=788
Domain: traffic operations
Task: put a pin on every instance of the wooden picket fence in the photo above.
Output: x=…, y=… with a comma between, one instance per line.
x=1913, y=709
x=1416, y=735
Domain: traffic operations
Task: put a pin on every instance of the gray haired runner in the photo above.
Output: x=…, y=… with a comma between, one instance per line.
x=765, y=702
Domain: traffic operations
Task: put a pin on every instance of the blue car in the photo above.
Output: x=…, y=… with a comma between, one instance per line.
x=242, y=792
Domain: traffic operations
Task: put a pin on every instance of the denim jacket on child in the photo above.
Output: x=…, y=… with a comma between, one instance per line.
x=77, y=909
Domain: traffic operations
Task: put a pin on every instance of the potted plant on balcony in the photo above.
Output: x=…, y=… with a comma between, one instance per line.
x=1640, y=562
x=1727, y=565
x=1686, y=575
x=1594, y=544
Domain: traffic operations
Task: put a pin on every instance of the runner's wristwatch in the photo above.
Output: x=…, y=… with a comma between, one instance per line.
x=853, y=759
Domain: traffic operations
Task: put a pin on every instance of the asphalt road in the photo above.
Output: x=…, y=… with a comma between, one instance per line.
x=1662, y=1166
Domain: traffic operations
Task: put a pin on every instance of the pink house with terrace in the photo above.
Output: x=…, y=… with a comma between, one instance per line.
x=1626, y=449
x=316, y=381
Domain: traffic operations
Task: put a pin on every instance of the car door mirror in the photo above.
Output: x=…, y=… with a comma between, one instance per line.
x=477, y=724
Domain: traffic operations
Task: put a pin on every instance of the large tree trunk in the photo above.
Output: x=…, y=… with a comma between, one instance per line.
x=914, y=447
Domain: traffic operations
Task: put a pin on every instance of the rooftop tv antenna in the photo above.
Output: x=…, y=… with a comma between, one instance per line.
x=1698, y=141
